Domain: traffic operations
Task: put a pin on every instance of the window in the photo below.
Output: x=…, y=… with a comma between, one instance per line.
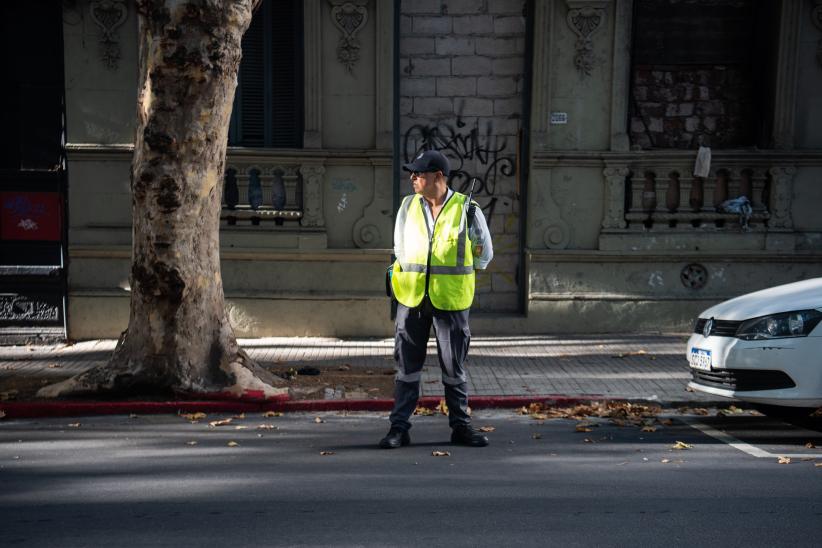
x=268, y=106
x=702, y=73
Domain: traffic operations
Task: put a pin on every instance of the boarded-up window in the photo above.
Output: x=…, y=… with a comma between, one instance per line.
x=268, y=106
x=700, y=72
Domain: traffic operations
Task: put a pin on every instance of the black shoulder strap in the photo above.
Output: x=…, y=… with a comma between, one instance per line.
x=472, y=212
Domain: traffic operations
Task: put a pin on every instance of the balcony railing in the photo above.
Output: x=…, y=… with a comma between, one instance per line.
x=260, y=194
x=659, y=193
x=660, y=198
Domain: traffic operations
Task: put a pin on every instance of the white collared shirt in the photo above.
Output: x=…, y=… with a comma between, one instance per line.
x=479, y=234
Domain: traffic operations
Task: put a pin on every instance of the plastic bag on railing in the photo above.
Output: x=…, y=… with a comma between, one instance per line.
x=741, y=206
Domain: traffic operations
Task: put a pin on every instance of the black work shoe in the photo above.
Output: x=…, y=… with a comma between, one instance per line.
x=395, y=438
x=466, y=435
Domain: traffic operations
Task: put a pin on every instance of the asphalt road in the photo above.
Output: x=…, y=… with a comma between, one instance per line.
x=140, y=481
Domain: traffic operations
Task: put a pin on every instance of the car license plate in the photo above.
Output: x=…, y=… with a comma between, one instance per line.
x=700, y=359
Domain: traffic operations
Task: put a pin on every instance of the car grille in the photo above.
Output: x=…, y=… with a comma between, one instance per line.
x=721, y=328
x=743, y=379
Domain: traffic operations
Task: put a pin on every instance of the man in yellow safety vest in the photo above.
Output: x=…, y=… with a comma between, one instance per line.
x=439, y=240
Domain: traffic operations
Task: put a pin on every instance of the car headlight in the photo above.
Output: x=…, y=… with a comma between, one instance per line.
x=779, y=326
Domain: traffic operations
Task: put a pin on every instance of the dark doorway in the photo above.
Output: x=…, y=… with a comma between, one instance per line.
x=32, y=173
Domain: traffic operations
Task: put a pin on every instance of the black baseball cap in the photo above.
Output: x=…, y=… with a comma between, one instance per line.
x=429, y=161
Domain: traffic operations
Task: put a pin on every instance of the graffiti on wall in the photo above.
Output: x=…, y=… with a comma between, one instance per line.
x=468, y=150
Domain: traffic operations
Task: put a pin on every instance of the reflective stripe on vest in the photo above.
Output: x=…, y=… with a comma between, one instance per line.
x=441, y=262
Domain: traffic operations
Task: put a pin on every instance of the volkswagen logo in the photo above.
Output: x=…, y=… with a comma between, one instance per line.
x=706, y=331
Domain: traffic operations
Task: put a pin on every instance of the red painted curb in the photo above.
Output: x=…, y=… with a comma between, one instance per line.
x=21, y=410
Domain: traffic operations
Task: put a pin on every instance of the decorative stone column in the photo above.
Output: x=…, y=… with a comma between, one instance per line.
x=312, y=195
x=312, y=67
x=816, y=18
x=781, y=192
x=384, y=74
x=621, y=77
x=614, y=217
x=780, y=235
x=784, y=116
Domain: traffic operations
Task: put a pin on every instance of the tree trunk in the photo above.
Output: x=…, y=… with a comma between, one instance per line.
x=179, y=338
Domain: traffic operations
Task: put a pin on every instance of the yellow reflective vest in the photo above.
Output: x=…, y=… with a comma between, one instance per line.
x=437, y=261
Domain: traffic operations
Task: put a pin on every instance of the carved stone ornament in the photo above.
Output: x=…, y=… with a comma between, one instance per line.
x=556, y=233
x=109, y=15
x=373, y=229
x=350, y=18
x=22, y=308
x=585, y=20
x=816, y=17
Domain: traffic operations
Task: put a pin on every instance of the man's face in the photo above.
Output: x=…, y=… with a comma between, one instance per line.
x=420, y=181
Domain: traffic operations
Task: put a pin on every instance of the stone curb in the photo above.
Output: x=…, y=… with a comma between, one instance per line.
x=45, y=409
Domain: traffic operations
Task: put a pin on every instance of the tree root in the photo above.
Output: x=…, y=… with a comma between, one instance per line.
x=250, y=381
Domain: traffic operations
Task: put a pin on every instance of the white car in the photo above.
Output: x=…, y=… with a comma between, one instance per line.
x=764, y=347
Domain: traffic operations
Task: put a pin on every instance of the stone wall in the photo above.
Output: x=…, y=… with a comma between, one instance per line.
x=462, y=76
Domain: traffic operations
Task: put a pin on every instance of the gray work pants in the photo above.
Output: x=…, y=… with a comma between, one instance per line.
x=413, y=326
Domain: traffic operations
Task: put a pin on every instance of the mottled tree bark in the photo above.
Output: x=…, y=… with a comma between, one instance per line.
x=179, y=338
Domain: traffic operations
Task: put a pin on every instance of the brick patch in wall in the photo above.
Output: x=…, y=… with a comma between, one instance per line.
x=676, y=106
x=472, y=53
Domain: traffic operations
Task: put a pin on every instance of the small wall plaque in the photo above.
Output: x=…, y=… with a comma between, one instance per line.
x=559, y=118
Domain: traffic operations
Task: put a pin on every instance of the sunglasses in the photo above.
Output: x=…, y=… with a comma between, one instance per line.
x=420, y=173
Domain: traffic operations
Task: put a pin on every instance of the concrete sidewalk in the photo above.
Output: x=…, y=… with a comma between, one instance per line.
x=643, y=367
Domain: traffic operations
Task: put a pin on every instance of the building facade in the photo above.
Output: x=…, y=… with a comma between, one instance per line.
x=578, y=123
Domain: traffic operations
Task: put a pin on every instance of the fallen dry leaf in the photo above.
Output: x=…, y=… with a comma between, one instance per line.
x=191, y=442
x=318, y=420
x=588, y=440
x=487, y=429
x=442, y=408
x=74, y=425
x=269, y=414
x=536, y=436
x=818, y=464
x=681, y=445
x=326, y=453
x=665, y=461
x=423, y=411
x=810, y=445
x=581, y=428
x=2, y=414
x=267, y=427
x=8, y=395
x=699, y=411
x=784, y=460
x=233, y=444
x=667, y=422
x=241, y=427
x=539, y=416
x=132, y=416
x=55, y=366
x=649, y=429
x=222, y=422
x=240, y=416
x=193, y=416
x=440, y=454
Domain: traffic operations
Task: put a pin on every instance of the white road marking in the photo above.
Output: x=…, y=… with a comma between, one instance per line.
x=739, y=444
